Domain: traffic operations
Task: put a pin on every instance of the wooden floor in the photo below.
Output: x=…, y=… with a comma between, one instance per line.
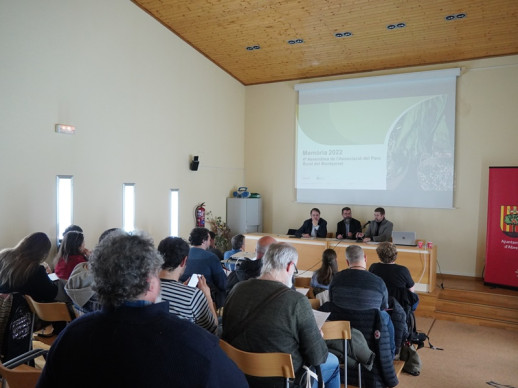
x=469, y=300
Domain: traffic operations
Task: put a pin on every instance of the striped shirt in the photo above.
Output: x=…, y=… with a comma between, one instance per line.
x=188, y=303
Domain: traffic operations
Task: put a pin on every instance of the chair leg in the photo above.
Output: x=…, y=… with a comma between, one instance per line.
x=346, y=348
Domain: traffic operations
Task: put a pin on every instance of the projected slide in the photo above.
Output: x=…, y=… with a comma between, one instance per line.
x=389, y=142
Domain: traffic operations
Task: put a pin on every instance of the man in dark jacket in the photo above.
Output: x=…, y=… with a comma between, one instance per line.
x=349, y=226
x=247, y=268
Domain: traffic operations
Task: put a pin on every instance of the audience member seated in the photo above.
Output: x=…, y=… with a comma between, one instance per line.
x=314, y=226
x=397, y=277
x=356, y=288
x=212, y=247
x=247, y=268
x=71, y=252
x=380, y=373
x=134, y=341
x=79, y=284
x=323, y=276
x=191, y=303
x=349, y=226
x=379, y=229
x=238, y=244
x=202, y=262
x=22, y=269
x=265, y=315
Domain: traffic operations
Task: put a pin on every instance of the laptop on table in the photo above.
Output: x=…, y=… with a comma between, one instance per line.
x=404, y=238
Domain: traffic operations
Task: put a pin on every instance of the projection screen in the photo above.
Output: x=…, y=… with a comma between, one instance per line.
x=383, y=141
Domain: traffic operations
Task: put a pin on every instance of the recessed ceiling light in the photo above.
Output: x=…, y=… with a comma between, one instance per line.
x=291, y=41
x=257, y=47
x=254, y=47
x=343, y=34
x=461, y=15
x=397, y=25
x=295, y=41
x=299, y=41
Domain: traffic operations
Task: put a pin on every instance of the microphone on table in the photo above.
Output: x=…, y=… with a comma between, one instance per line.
x=367, y=223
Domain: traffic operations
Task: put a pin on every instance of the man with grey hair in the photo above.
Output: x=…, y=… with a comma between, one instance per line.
x=238, y=244
x=265, y=315
x=356, y=288
x=134, y=341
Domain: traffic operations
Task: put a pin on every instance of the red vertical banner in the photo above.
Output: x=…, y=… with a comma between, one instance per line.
x=502, y=227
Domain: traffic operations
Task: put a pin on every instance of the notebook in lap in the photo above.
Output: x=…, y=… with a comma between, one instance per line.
x=404, y=238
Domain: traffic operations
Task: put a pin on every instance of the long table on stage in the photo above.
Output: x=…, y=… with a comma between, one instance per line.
x=420, y=262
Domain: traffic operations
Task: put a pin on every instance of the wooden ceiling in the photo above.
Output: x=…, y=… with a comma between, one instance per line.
x=222, y=30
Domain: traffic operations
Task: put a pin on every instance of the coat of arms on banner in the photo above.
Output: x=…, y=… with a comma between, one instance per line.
x=509, y=220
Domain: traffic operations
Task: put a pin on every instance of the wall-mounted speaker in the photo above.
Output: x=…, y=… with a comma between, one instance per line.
x=195, y=163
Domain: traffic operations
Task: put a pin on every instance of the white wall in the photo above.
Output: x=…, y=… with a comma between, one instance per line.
x=142, y=101
x=486, y=135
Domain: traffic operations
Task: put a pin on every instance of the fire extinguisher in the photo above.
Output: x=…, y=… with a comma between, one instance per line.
x=199, y=213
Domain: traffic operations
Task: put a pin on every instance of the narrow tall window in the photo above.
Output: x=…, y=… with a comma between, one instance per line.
x=64, y=190
x=128, y=207
x=174, y=212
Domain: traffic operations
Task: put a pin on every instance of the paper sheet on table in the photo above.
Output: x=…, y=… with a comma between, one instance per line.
x=303, y=291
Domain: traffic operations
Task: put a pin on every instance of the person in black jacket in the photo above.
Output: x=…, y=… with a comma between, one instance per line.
x=314, y=226
x=22, y=269
x=247, y=268
x=349, y=226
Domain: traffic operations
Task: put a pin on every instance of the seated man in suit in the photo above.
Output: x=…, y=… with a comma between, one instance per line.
x=314, y=226
x=349, y=226
x=134, y=341
x=265, y=315
x=379, y=229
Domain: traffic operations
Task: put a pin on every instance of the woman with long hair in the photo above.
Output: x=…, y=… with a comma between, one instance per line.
x=22, y=269
x=323, y=276
x=71, y=252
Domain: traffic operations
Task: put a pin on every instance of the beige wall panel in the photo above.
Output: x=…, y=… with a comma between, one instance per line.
x=486, y=136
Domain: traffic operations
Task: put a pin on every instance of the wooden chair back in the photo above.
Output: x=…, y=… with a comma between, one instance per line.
x=302, y=282
x=19, y=375
x=315, y=303
x=49, y=312
x=305, y=282
x=260, y=364
x=337, y=330
x=340, y=330
x=23, y=376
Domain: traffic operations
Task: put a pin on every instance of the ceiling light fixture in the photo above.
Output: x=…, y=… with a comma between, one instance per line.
x=394, y=26
x=343, y=34
x=461, y=15
x=255, y=47
x=295, y=41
